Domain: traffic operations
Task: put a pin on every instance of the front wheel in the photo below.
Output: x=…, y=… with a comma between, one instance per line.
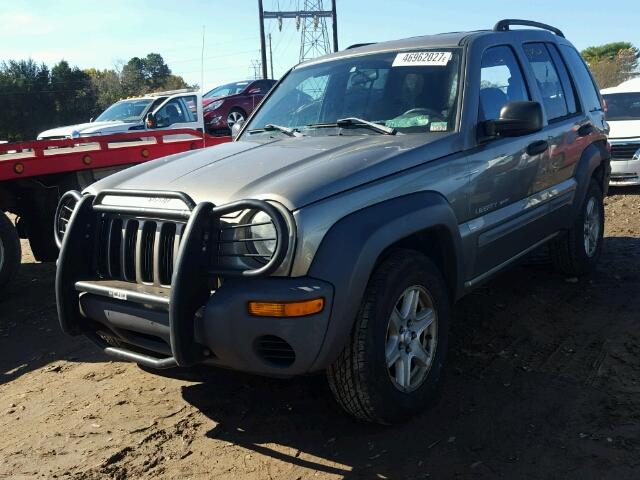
x=10, y=251
x=390, y=368
x=236, y=115
x=576, y=252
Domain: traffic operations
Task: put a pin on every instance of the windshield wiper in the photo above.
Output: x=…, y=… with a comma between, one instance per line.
x=359, y=122
x=270, y=127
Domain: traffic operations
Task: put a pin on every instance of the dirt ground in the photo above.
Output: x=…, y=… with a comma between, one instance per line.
x=542, y=382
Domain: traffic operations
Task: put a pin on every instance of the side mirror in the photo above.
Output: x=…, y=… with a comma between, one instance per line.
x=150, y=120
x=516, y=119
x=254, y=91
x=235, y=130
x=91, y=120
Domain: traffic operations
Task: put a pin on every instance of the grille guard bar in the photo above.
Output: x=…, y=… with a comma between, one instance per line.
x=76, y=263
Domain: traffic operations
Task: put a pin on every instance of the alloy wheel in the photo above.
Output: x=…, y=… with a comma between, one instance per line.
x=591, y=227
x=411, y=339
x=233, y=118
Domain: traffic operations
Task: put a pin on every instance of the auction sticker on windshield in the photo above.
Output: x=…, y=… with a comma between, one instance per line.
x=422, y=59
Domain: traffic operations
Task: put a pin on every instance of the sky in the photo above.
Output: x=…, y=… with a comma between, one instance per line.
x=103, y=34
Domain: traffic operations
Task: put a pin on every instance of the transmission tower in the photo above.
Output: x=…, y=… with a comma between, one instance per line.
x=311, y=20
x=314, y=39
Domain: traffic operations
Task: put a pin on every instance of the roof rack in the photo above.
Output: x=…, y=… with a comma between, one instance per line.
x=356, y=45
x=503, y=26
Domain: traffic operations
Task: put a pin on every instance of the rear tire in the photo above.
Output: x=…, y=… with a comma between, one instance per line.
x=367, y=378
x=576, y=252
x=10, y=251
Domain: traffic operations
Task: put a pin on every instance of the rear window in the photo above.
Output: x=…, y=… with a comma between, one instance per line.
x=623, y=106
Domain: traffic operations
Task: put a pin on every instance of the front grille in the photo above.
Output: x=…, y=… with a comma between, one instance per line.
x=138, y=250
x=624, y=151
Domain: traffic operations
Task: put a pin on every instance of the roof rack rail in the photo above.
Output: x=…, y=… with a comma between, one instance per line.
x=356, y=45
x=503, y=26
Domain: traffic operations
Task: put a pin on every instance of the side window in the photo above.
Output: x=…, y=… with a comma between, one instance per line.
x=191, y=110
x=583, y=79
x=175, y=111
x=263, y=86
x=569, y=90
x=553, y=95
x=501, y=81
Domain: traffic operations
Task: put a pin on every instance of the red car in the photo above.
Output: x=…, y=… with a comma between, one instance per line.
x=225, y=105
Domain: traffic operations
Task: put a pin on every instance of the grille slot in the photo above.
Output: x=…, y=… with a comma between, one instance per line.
x=275, y=350
x=624, y=151
x=138, y=250
x=167, y=241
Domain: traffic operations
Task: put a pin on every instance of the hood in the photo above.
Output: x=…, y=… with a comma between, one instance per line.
x=624, y=129
x=207, y=101
x=92, y=128
x=292, y=171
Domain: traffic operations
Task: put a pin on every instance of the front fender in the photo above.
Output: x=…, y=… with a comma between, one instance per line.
x=349, y=251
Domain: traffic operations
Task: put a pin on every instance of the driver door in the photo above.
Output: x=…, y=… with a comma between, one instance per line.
x=180, y=111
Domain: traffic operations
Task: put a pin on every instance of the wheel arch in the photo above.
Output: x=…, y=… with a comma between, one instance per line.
x=356, y=244
x=594, y=163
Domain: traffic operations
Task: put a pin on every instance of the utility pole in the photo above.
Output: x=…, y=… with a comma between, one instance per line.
x=314, y=36
x=271, y=56
x=263, y=50
x=334, y=11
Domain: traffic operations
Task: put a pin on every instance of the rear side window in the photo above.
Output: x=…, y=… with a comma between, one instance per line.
x=548, y=80
x=582, y=78
x=501, y=82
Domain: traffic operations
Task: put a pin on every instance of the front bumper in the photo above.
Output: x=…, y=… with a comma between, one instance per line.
x=625, y=172
x=223, y=329
x=190, y=321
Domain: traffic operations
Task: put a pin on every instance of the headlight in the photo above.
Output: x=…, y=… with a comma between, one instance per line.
x=636, y=156
x=212, y=106
x=263, y=233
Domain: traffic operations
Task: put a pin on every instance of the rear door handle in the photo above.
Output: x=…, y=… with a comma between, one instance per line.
x=536, y=148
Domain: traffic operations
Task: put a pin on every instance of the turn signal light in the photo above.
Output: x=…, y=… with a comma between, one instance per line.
x=286, y=309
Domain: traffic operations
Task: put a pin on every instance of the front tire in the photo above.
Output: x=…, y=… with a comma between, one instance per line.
x=577, y=251
x=10, y=251
x=391, y=366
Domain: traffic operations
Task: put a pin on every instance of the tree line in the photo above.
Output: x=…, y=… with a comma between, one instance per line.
x=612, y=63
x=34, y=97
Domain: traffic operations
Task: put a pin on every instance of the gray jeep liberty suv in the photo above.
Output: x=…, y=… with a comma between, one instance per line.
x=370, y=190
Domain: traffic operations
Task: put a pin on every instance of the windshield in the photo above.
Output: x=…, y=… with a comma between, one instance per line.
x=623, y=106
x=413, y=92
x=125, y=110
x=226, y=90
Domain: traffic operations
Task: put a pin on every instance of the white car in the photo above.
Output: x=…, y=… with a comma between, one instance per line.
x=623, y=116
x=169, y=110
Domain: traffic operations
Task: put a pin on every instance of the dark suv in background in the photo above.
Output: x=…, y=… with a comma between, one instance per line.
x=370, y=191
x=231, y=103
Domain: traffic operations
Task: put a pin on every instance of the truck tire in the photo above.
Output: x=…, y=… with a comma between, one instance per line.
x=576, y=252
x=390, y=368
x=10, y=251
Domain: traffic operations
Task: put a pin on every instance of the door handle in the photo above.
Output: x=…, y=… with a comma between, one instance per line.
x=585, y=130
x=536, y=148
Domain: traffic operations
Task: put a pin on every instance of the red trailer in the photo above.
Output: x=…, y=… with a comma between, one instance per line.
x=34, y=175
